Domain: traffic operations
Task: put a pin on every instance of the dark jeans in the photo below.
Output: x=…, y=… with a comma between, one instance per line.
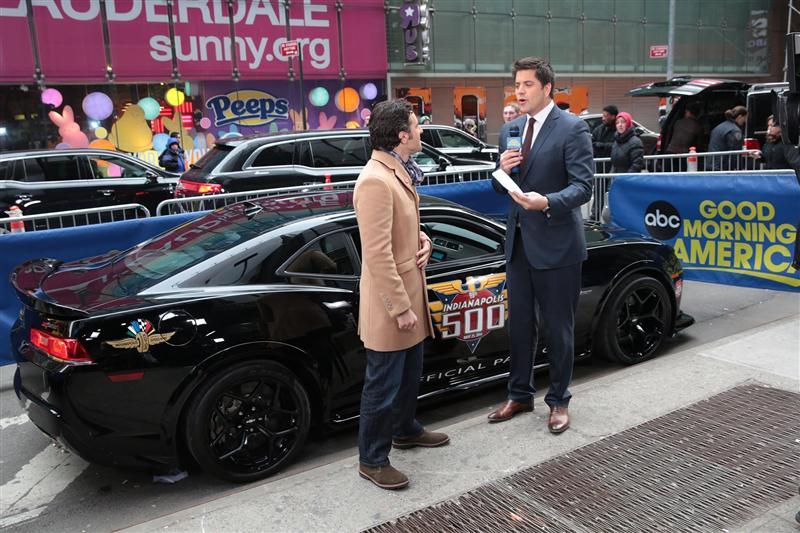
x=388, y=403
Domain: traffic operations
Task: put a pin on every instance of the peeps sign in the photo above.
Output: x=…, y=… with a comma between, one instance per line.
x=725, y=228
x=247, y=108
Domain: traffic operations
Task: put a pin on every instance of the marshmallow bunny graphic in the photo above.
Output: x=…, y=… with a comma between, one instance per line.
x=69, y=130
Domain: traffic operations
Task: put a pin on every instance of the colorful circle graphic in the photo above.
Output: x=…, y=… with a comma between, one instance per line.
x=347, y=100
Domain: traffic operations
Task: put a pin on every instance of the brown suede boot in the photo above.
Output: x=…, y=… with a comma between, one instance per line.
x=386, y=477
x=427, y=439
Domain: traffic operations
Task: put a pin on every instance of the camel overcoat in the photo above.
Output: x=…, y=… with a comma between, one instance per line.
x=387, y=209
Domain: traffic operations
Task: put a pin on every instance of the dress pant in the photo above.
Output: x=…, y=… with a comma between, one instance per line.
x=541, y=297
x=388, y=403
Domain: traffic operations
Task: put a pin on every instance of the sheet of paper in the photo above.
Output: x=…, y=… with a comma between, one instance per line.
x=506, y=181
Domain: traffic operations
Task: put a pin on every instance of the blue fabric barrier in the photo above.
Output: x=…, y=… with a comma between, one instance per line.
x=735, y=229
x=67, y=244
x=478, y=195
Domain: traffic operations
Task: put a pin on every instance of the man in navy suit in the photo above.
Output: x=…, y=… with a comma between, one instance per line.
x=545, y=244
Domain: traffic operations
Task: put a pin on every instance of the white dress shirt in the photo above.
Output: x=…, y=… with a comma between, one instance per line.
x=537, y=126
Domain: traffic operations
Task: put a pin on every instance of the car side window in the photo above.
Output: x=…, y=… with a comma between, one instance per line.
x=279, y=154
x=451, y=139
x=455, y=240
x=57, y=168
x=302, y=154
x=105, y=166
x=423, y=159
x=5, y=170
x=428, y=137
x=339, y=152
x=327, y=256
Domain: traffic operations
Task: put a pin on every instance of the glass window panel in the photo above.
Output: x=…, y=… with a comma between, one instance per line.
x=656, y=11
x=630, y=10
x=565, y=45
x=599, y=9
x=452, y=139
x=598, y=46
x=495, y=6
x=451, y=242
x=654, y=34
x=629, y=47
x=329, y=255
x=536, y=8
x=685, y=12
x=493, y=41
x=60, y=168
x=711, y=49
x=566, y=9
x=530, y=37
x=339, y=152
x=453, y=41
x=105, y=166
x=686, y=48
x=463, y=6
x=280, y=154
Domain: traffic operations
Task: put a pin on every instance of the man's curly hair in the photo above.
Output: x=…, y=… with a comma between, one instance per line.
x=388, y=119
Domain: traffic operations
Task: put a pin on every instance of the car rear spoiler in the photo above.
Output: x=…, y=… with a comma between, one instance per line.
x=26, y=280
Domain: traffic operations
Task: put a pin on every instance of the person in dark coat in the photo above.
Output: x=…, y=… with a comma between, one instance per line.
x=727, y=137
x=686, y=133
x=603, y=134
x=172, y=157
x=627, y=152
x=775, y=153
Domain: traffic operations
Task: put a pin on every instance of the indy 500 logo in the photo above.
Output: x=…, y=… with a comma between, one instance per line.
x=662, y=220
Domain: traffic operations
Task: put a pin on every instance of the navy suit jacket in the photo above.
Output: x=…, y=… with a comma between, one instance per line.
x=560, y=166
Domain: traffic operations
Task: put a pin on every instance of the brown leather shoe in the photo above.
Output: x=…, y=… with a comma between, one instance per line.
x=427, y=439
x=559, y=419
x=386, y=477
x=508, y=410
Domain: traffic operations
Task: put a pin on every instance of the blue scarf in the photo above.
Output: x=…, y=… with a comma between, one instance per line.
x=411, y=167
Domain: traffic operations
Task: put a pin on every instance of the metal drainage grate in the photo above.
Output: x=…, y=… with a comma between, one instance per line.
x=710, y=466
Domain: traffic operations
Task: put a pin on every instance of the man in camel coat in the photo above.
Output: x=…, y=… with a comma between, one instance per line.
x=394, y=319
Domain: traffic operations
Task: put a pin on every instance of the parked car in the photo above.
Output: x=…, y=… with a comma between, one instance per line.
x=458, y=143
x=649, y=138
x=225, y=339
x=291, y=159
x=714, y=97
x=45, y=181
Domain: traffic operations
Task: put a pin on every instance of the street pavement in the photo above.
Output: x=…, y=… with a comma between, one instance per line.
x=333, y=498
x=741, y=335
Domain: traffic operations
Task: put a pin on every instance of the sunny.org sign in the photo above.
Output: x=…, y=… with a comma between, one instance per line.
x=725, y=228
x=247, y=107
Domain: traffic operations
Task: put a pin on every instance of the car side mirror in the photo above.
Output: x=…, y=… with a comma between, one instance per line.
x=151, y=177
x=443, y=164
x=638, y=131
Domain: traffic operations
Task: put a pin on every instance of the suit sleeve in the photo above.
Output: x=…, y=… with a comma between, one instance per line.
x=373, y=204
x=579, y=161
x=499, y=189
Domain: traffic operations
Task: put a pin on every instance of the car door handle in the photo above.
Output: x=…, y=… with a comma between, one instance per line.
x=106, y=192
x=261, y=172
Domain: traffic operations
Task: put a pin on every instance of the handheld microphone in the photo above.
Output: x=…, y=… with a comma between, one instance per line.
x=514, y=142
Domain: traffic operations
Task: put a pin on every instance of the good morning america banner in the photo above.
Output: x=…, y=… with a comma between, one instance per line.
x=725, y=228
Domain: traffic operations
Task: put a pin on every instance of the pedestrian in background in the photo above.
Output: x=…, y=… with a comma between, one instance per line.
x=603, y=134
x=510, y=112
x=545, y=242
x=394, y=319
x=627, y=152
x=686, y=133
x=172, y=157
x=775, y=153
x=727, y=137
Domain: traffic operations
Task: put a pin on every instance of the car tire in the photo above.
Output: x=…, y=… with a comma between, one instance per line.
x=634, y=321
x=248, y=421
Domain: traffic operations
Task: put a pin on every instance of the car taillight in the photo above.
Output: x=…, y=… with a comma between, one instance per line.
x=67, y=350
x=751, y=144
x=658, y=144
x=199, y=188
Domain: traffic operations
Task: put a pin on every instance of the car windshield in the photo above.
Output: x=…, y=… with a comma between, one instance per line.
x=170, y=253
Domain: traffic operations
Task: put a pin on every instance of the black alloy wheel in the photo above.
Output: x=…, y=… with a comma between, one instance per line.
x=247, y=422
x=635, y=320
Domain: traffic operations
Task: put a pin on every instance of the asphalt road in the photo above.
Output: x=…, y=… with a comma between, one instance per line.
x=45, y=489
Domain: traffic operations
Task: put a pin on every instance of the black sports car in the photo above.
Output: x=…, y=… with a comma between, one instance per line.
x=226, y=338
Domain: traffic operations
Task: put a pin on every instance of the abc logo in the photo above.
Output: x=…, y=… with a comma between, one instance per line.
x=662, y=220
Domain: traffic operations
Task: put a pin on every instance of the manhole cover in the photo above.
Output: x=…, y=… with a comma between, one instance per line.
x=710, y=466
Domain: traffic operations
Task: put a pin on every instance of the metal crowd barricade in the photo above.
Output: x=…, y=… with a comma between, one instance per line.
x=76, y=217
x=705, y=162
x=215, y=201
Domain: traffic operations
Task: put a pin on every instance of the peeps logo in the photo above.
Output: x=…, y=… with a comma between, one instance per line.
x=247, y=108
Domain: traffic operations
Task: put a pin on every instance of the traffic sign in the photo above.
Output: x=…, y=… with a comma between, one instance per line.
x=658, y=51
x=290, y=49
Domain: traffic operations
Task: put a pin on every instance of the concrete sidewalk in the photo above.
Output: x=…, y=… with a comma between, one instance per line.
x=334, y=498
